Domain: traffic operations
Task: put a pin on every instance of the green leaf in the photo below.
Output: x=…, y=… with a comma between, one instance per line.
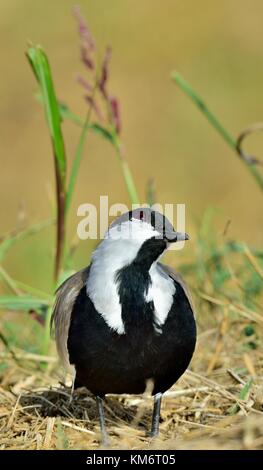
x=102, y=131
x=245, y=390
x=39, y=63
x=62, y=441
x=212, y=119
x=66, y=113
x=243, y=395
x=22, y=303
x=110, y=136
x=96, y=128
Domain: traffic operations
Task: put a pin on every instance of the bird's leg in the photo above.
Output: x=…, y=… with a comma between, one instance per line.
x=156, y=414
x=72, y=388
x=104, y=435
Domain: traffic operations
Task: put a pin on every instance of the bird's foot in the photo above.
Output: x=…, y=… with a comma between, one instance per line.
x=104, y=440
x=152, y=434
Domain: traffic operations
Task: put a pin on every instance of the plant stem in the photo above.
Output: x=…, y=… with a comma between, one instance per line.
x=229, y=139
x=78, y=156
x=9, y=281
x=80, y=146
x=77, y=160
x=130, y=185
x=150, y=192
x=61, y=199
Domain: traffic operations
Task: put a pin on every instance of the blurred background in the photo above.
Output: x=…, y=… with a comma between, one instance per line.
x=216, y=46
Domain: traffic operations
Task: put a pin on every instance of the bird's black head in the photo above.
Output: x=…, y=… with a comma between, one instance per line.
x=145, y=234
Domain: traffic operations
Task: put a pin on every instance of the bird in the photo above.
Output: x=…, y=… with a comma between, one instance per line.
x=127, y=320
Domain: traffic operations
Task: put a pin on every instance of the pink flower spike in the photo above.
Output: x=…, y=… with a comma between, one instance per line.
x=95, y=107
x=105, y=72
x=86, y=59
x=82, y=81
x=116, y=114
x=84, y=31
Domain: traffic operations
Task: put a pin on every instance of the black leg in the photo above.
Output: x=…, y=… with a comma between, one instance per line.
x=104, y=434
x=156, y=414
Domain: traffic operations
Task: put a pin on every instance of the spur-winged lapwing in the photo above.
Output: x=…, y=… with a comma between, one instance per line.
x=126, y=318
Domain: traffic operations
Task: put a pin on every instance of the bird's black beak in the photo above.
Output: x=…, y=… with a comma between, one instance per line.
x=173, y=237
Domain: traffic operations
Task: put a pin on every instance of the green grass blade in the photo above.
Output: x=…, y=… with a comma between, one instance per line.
x=243, y=394
x=66, y=113
x=150, y=192
x=19, y=288
x=229, y=139
x=76, y=164
x=129, y=181
x=62, y=441
x=9, y=281
x=12, y=239
x=24, y=303
x=33, y=291
x=41, y=68
x=102, y=131
x=179, y=80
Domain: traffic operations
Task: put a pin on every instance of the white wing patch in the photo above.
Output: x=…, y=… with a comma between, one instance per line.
x=160, y=292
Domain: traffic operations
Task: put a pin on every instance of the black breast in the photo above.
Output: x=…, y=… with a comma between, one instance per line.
x=107, y=362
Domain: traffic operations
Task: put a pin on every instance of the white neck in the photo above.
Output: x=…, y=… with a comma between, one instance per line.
x=117, y=250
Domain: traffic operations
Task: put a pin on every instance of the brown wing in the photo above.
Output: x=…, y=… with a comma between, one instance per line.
x=60, y=320
x=178, y=278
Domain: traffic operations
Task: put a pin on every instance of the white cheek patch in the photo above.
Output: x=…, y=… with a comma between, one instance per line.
x=160, y=292
x=119, y=248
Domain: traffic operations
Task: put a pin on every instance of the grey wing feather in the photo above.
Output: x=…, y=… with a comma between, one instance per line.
x=178, y=278
x=61, y=316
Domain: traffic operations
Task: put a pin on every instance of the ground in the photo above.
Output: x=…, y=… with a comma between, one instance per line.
x=217, y=404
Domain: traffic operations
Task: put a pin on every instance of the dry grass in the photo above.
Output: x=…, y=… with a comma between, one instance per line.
x=209, y=408
x=217, y=404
